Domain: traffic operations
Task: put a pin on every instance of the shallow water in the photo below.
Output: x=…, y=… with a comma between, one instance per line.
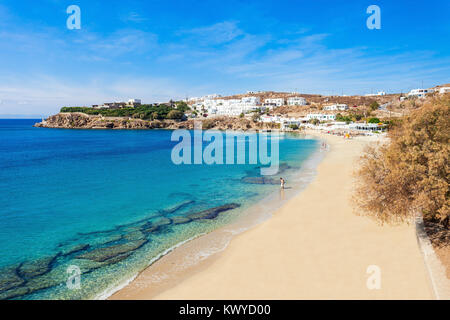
x=102, y=189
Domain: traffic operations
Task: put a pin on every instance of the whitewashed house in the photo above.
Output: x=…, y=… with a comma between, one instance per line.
x=420, y=93
x=444, y=90
x=321, y=116
x=370, y=127
x=334, y=107
x=296, y=101
x=254, y=101
x=274, y=102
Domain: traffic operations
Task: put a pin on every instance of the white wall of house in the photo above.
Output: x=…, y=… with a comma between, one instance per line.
x=275, y=101
x=421, y=93
x=321, y=116
x=341, y=107
x=296, y=101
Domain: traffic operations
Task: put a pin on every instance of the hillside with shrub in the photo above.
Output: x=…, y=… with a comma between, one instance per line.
x=410, y=173
x=144, y=112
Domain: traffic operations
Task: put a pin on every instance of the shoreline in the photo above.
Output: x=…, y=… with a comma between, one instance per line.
x=265, y=262
x=251, y=217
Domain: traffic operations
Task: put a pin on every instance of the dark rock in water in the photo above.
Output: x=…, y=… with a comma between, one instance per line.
x=149, y=228
x=180, y=220
x=31, y=269
x=178, y=207
x=282, y=167
x=48, y=280
x=154, y=226
x=13, y=293
x=108, y=262
x=106, y=253
x=116, y=259
x=161, y=222
x=112, y=240
x=213, y=212
x=260, y=180
x=75, y=248
x=134, y=236
x=9, y=278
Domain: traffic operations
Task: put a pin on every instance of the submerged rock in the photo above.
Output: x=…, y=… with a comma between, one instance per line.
x=54, y=278
x=260, y=180
x=161, y=222
x=111, y=240
x=149, y=228
x=31, y=269
x=13, y=293
x=9, y=278
x=180, y=220
x=178, y=207
x=106, y=253
x=213, y=212
x=134, y=235
x=116, y=259
x=75, y=249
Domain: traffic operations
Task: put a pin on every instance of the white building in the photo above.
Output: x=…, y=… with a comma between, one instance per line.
x=274, y=102
x=296, y=101
x=444, y=90
x=134, y=102
x=381, y=93
x=367, y=127
x=230, y=107
x=336, y=106
x=420, y=93
x=321, y=116
x=251, y=101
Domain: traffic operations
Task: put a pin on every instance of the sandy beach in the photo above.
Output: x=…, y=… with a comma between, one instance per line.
x=314, y=247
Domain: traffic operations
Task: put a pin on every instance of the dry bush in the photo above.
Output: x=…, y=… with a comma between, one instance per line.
x=411, y=172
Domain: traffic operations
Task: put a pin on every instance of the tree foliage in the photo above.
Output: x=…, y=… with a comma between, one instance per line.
x=175, y=114
x=410, y=173
x=373, y=120
x=374, y=106
x=145, y=111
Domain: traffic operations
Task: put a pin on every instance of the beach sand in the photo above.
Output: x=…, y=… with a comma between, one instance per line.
x=314, y=247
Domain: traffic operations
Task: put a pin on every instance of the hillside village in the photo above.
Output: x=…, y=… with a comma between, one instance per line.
x=286, y=111
x=367, y=114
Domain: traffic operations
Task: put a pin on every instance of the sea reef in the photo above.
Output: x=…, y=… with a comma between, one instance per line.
x=78, y=120
x=121, y=242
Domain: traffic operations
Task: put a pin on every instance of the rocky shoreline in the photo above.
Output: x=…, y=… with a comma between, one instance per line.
x=77, y=120
x=30, y=276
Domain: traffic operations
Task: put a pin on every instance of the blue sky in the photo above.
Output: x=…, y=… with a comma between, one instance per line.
x=157, y=50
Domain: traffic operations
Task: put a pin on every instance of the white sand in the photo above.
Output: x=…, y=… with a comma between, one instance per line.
x=314, y=247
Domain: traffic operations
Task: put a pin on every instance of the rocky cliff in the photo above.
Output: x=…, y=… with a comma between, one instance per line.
x=84, y=121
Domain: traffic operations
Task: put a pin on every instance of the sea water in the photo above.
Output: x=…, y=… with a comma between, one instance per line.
x=65, y=193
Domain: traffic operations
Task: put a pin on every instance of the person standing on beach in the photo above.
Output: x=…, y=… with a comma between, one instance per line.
x=282, y=182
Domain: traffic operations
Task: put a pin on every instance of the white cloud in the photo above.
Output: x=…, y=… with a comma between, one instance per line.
x=218, y=33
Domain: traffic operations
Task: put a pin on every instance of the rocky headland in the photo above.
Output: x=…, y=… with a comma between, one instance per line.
x=78, y=120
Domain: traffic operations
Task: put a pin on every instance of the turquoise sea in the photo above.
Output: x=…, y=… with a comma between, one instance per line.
x=109, y=202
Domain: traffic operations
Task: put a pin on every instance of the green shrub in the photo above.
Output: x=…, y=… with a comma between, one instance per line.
x=175, y=115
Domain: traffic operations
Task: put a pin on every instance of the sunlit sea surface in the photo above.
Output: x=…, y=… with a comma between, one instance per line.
x=109, y=202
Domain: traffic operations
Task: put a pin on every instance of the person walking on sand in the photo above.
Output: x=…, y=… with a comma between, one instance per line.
x=282, y=182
